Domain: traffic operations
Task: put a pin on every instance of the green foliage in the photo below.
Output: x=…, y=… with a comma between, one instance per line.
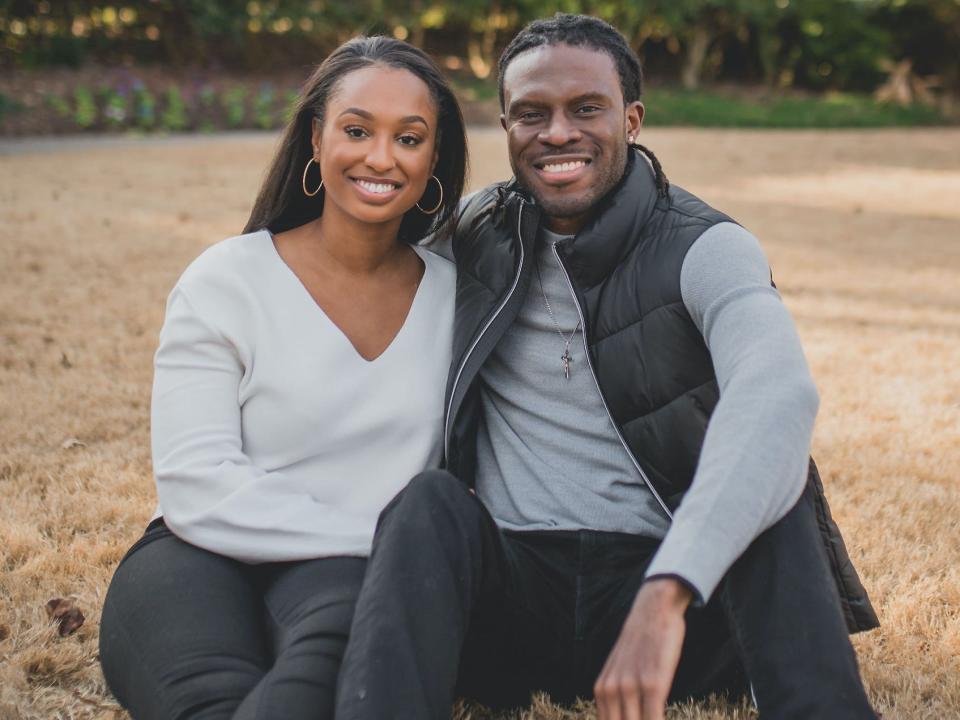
x=234, y=103
x=834, y=45
x=817, y=44
x=174, y=117
x=207, y=102
x=85, y=108
x=290, y=98
x=263, y=107
x=60, y=106
x=114, y=107
x=207, y=97
x=834, y=110
x=145, y=107
x=9, y=106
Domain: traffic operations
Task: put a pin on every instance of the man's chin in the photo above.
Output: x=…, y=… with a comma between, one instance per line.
x=570, y=208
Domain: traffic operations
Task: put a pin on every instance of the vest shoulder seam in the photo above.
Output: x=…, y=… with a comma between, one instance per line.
x=661, y=406
x=640, y=319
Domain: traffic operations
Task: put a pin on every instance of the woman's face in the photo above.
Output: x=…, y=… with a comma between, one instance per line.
x=377, y=147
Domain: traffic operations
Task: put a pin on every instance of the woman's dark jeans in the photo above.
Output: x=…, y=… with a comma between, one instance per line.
x=453, y=606
x=190, y=634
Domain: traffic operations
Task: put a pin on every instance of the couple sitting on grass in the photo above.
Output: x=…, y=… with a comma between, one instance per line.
x=561, y=446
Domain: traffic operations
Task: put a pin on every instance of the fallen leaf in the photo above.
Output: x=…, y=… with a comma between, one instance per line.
x=72, y=443
x=4, y=632
x=57, y=606
x=67, y=615
x=71, y=621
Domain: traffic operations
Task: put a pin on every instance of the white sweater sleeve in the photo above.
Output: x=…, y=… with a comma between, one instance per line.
x=753, y=465
x=205, y=483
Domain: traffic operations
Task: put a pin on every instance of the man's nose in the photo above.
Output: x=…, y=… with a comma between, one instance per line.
x=380, y=154
x=559, y=131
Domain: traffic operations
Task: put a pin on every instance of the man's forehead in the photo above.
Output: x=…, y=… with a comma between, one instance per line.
x=561, y=69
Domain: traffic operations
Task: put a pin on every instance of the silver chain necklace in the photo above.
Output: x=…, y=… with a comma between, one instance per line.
x=565, y=358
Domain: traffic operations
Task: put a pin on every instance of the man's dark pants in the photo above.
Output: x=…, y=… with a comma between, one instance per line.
x=452, y=606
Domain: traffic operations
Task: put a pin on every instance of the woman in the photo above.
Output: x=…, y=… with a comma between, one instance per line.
x=299, y=385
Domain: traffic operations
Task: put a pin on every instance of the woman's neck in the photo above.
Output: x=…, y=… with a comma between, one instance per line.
x=357, y=248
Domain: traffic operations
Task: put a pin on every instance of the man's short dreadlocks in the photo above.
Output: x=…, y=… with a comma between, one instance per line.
x=578, y=31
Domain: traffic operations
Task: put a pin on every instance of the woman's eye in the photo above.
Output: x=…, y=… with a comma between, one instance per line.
x=355, y=132
x=411, y=140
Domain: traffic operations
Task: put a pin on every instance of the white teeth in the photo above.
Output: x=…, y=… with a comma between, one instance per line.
x=375, y=187
x=564, y=167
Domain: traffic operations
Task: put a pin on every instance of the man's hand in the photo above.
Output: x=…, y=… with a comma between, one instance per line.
x=635, y=681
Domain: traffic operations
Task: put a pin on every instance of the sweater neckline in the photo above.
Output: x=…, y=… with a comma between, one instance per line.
x=412, y=311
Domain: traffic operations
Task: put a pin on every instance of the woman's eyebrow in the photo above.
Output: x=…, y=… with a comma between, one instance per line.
x=415, y=118
x=357, y=111
x=369, y=116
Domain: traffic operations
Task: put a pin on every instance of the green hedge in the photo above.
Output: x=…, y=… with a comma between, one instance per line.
x=233, y=105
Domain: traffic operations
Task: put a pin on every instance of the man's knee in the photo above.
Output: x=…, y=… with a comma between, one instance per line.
x=428, y=492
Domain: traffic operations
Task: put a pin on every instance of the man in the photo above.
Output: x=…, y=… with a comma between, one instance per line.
x=628, y=507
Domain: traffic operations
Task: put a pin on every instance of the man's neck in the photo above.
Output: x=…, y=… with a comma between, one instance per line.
x=565, y=226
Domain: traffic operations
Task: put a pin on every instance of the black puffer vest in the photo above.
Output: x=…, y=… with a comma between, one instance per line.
x=649, y=360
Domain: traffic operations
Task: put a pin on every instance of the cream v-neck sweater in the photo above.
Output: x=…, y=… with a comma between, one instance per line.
x=273, y=439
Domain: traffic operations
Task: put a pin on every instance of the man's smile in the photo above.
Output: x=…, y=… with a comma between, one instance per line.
x=561, y=169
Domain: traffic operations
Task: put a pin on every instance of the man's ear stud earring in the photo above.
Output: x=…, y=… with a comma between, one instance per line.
x=630, y=139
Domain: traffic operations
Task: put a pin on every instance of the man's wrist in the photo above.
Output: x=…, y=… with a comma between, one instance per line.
x=696, y=600
x=669, y=593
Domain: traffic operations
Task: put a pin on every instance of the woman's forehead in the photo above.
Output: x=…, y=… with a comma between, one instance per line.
x=383, y=92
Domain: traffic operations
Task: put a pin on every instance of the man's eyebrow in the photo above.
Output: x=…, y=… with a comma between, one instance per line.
x=369, y=116
x=523, y=103
x=594, y=96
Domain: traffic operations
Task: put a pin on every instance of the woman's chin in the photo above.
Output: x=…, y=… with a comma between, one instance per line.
x=374, y=213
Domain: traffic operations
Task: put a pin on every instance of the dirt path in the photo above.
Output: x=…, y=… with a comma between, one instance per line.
x=862, y=230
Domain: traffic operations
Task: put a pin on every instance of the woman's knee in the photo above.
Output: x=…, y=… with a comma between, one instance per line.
x=180, y=632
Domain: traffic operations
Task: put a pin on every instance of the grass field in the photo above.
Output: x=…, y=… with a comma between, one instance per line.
x=863, y=233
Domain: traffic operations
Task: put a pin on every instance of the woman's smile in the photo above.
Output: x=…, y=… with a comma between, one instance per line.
x=377, y=190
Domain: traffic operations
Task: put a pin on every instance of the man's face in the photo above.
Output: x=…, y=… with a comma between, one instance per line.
x=567, y=129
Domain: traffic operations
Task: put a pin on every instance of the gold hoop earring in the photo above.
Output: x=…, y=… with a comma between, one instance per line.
x=439, y=202
x=303, y=182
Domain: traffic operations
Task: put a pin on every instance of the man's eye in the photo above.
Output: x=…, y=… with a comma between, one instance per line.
x=587, y=109
x=530, y=116
x=355, y=132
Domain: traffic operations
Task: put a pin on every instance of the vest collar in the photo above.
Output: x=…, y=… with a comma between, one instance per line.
x=615, y=227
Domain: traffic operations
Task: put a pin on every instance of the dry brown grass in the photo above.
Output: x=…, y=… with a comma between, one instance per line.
x=862, y=229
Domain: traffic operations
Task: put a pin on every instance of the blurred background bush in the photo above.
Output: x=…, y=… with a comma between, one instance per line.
x=207, y=65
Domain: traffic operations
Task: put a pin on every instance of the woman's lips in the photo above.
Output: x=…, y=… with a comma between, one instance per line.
x=373, y=190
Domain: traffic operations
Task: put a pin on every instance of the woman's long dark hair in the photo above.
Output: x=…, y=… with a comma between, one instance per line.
x=281, y=203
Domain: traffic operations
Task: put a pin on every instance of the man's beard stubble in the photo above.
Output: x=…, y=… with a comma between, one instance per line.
x=563, y=206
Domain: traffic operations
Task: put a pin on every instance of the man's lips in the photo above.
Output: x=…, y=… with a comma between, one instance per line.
x=561, y=169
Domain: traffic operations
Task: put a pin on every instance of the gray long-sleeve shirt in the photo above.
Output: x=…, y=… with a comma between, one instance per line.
x=548, y=457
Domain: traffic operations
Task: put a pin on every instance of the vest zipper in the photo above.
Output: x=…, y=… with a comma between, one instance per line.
x=586, y=351
x=476, y=340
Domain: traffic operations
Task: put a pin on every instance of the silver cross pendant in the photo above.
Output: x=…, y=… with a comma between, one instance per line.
x=565, y=359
